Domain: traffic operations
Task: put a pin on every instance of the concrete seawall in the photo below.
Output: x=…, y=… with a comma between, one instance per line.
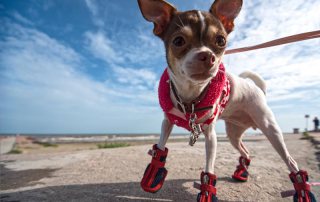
x=7, y=144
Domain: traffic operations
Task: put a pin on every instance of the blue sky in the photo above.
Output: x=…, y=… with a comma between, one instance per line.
x=92, y=66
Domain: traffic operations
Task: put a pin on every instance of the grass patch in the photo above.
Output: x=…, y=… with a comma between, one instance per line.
x=15, y=151
x=47, y=144
x=107, y=145
x=305, y=136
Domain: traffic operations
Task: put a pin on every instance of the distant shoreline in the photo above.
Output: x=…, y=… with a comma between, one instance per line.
x=98, y=138
x=110, y=134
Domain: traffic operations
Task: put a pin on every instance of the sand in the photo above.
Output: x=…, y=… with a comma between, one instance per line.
x=114, y=174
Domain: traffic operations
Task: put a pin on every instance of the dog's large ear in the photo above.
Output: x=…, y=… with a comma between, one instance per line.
x=157, y=11
x=226, y=11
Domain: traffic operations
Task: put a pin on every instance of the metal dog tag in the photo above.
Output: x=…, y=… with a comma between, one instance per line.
x=194, y=135
x=192, y=139
x=195, y=130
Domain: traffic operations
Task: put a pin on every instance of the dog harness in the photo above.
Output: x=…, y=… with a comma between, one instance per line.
x=218, y=87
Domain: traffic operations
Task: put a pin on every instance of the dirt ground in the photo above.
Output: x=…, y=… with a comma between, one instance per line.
x=114, y=174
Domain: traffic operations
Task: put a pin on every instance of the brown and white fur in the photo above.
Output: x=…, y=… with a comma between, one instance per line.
x=194, y=43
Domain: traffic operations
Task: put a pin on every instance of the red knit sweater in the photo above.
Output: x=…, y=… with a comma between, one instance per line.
x=219, y=84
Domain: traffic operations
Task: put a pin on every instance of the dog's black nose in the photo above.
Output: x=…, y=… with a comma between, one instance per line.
x=206, y=57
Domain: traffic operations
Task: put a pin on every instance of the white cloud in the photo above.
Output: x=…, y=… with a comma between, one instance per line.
x=125, y=49
x=101, y=47
x=145, y=48
x=261, y=21
x=93, y=8
x=132, y=76
x=291, y=71
x=21, y=19
x=43, y=88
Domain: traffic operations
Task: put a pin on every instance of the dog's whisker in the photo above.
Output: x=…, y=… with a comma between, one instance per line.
x=181, y=21
x=179, y=26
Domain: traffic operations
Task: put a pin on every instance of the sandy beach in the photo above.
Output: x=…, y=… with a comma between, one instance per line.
x=90, y=174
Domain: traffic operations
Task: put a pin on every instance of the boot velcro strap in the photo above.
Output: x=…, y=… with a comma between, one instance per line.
x=244, y=162
x=241, y=167
x=301, y=186
x=158, y=153
x=156, y=163
x=208, y=188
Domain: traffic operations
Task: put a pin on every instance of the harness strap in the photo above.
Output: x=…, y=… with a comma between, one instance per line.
x=277, y=42
x=187, y=106
x=200, y=109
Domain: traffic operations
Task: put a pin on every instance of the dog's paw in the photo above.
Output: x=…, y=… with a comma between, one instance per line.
x=309, y=197
x=241, y=174
x=302, y=187
x=207, y=188
x=153, y=178
x=155, y=173
x=204, y=198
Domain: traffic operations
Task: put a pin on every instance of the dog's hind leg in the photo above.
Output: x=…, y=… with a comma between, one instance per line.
x=266, y=122
x=244, y=147
x=234, y=133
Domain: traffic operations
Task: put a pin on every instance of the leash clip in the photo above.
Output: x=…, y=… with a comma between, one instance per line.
x=195, y=128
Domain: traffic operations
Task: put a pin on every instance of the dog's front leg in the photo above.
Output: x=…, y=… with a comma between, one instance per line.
x=211, y=148
x=208, y=179
x=166, y=129
x=155, y=172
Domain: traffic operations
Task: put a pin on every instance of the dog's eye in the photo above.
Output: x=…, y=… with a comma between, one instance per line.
x=179, y=41
x=220, y=41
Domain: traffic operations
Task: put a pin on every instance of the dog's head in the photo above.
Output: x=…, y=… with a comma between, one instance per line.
x=194, y=40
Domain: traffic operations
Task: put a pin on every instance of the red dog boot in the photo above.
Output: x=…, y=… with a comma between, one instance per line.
x=302, y=187
x=155, y=172
x=241, y=173
x=207, y=188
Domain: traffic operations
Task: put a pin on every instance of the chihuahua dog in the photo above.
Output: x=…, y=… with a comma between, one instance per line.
x=195, y=90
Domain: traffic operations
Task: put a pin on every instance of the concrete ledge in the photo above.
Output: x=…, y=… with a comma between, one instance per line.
x=7, y=144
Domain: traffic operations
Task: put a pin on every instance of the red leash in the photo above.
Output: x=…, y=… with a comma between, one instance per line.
x=277, y=42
